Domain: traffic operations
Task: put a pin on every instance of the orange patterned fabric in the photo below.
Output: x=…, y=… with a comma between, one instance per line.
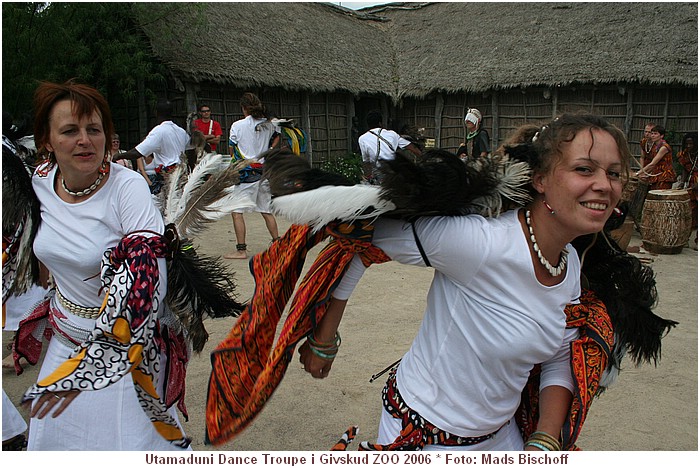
x=589, y=359
x=246, y=368
x=663, y=173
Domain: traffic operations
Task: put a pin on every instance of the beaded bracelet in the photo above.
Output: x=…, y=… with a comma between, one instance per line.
x=322, y=355
x=316, y=344
x=543, y=441
x=326, y=351
x=531, y=443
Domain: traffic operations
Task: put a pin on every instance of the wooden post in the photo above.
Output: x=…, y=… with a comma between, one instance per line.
x=327, y=126
x=190, y=99
x=495, y=124
x=555, y=101
x=629, y=111
x=385, y=111
x=350, y=113
x=439, y=108
x=306, y=119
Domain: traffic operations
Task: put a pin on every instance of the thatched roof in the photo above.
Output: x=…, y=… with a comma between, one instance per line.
x=313, y=46
x=411, y=49
x=477, y=46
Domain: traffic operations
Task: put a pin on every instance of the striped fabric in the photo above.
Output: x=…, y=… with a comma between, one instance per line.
x=246, y=366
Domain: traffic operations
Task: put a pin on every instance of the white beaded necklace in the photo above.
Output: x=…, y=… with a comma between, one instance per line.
x=554, y=271
x=86, y=191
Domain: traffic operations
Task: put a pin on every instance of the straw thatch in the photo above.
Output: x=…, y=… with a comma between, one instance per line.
x=412, y=49
x=295, y=46
x=478, y=46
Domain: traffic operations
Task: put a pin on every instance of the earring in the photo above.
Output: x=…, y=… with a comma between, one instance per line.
x=551, y=210
x=104, y=168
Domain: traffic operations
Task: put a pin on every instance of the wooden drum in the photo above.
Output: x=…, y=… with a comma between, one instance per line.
x=666, y=221
x=635, y=193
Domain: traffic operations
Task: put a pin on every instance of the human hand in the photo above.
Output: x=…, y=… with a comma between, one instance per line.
x=315, y=365
x=48, y=401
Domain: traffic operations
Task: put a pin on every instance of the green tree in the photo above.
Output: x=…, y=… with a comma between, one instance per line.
x=101, y=44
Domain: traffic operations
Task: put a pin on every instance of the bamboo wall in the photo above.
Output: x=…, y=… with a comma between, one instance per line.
x=326, y=117
x=628, y=108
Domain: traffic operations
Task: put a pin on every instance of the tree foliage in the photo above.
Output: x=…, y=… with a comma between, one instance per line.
x=97, y=43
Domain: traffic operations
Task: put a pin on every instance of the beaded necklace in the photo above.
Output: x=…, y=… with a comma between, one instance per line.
x=554, y=271
x=88, y=190
x=648, y=146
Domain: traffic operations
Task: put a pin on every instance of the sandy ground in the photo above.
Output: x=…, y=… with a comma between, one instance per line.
x=649, y=408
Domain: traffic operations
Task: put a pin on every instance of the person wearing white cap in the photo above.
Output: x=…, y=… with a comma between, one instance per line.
x=478, y=136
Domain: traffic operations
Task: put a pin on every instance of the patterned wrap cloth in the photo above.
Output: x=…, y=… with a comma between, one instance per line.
x=589, y=359
x=663, y=173
x=246, y=368
x=128, y=338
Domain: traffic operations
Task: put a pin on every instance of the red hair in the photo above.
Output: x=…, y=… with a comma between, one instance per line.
x=85, y=100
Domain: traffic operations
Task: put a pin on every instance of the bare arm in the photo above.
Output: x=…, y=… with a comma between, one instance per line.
x=141, y=167
x=555, y=402
x=131, y=155
x=325, y=332
x=211, y=138
x=662, y=152
x=413, y=149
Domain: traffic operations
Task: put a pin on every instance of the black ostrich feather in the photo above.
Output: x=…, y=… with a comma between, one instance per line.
x=198, y=287
x=20, y=205
x=627, y=287
x=440, y=183
x=289, y=173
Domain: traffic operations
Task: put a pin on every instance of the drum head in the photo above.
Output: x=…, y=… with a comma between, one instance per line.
x=668, y=194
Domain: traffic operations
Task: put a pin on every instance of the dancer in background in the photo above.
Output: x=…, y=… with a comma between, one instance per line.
x=249, y=138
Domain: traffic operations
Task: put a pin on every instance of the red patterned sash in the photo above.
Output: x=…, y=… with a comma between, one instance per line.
x=246, y=368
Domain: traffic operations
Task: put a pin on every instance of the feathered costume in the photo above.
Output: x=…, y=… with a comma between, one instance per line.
x=614, y=317
x=129, y=336
x=20, y=220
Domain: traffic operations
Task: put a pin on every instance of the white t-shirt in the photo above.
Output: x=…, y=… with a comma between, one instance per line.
x=72, y=237
x=488, y=319
x=166, y=141
x=369, y=142
x=252, y=136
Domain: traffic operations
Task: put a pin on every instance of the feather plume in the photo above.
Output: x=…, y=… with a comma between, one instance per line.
x=206, y=195
x=199, y=287
x=288, y=173
x=627, y=287
x=21, y=217
x=326, y=204
x=439, y=183
x=172, y=190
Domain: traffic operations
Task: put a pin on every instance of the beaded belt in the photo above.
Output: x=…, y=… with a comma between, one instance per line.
x=427, y=433
x=75, y=309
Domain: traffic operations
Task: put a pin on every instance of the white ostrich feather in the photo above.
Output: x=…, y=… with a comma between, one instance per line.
x=193, y=200
x=209, y=165
x=323, y=205
x=172, y=189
